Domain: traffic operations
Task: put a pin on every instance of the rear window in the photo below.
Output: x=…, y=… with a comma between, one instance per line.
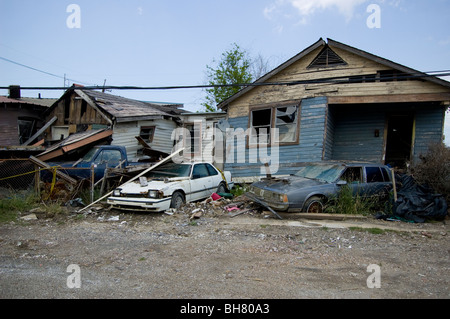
x=374, y=175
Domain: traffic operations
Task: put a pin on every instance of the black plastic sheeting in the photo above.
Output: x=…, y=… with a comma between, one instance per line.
x=418, y=203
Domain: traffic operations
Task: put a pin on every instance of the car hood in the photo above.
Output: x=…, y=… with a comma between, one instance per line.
x=136, y=188
x=289, y=183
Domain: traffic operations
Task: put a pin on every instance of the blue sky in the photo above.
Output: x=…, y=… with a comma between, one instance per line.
x=170, y=42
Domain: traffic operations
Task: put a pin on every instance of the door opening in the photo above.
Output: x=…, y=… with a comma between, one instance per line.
x=399, y=140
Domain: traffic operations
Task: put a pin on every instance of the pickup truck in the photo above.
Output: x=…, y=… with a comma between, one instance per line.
x=101, y=157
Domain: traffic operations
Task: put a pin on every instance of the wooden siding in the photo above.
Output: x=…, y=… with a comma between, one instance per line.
x=289, y=157
x=356, y=66
x=74, y=111
x=354, y=137
x=429, y=126
x=9, y=129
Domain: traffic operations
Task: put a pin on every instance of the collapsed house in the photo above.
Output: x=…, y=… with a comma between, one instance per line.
x=91, y=117
x=336, y=102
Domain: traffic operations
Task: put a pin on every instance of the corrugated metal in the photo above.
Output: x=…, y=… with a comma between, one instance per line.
x=125, y=134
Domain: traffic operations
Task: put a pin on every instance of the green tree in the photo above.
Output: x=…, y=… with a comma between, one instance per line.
x=233, y=68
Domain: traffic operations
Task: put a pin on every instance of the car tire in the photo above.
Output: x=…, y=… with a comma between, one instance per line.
x=222, y=188
x=178, y=200
x=314, y=205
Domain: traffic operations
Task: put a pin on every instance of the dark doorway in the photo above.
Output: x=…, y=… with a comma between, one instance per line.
x=399, y=140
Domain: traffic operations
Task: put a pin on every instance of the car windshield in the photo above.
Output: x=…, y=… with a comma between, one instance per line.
x=324, y=172
x=170, y=170
x=89, y=155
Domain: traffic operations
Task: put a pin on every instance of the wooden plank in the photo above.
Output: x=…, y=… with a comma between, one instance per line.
x=137, y=176
x=40, y=131
x=391, y=98
x=93, y=105
x=60, y=174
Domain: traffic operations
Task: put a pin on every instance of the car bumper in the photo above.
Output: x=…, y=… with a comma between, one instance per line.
x=272, y=204
x=140, y=204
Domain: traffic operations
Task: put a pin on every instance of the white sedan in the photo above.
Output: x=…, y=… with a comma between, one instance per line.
x=170, y=186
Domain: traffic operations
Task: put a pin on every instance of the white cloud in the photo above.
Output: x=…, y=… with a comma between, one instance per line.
x=307, y=8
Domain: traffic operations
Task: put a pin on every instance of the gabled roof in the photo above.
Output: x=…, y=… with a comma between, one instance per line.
x=123, y=109
x=332, y=43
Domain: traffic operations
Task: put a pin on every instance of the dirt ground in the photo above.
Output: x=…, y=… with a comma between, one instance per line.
x=216, y=256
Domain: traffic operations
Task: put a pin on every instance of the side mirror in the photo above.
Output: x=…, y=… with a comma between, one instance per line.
x=341, y=183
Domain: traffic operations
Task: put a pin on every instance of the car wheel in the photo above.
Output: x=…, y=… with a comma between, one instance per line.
x=178, y=200
x=314, y=205
x=222, y=188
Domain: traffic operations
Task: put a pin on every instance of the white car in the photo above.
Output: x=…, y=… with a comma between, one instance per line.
x=170, y=185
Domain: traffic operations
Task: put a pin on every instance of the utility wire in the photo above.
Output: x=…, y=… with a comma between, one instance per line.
x=329, y=80
x=45, y=72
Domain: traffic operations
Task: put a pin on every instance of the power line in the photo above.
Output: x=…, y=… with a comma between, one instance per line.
x=41, y=71
x=329, y=80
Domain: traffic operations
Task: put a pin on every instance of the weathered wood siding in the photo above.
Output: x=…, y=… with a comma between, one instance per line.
x=354, y=137
x=288, y=157
x=298, y=71
x=429, y=126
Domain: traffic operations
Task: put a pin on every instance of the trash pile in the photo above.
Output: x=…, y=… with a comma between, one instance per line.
x=217, y=205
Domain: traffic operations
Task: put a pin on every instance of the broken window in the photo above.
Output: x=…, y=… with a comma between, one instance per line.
x=261, y=122
x=26, y=128
x=285, y=120
x=286, y=123
x=147, y=133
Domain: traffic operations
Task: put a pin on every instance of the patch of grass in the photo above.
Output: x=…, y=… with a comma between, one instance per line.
x=239, y=190
x=346, y=203
x=11, y=205
x=373, y=230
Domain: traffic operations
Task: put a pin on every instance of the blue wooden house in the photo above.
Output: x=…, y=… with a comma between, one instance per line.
x=333, y=102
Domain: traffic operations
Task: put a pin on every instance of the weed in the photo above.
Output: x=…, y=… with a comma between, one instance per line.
x=239, y=190
x=15, y=203
x=347, y=203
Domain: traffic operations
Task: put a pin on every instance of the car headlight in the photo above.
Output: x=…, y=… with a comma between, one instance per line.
x=153, y=194
x=116, y=192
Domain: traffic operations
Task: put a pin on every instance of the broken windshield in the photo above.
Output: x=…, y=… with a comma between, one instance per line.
x=170, y=170
x=328, y=173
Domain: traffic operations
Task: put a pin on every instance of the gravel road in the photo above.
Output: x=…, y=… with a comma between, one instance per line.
x=254, y=256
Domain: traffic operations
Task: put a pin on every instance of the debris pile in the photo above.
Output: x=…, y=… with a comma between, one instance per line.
x=216, y=206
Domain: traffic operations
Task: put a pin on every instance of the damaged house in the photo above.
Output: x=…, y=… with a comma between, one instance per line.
x=21, y=123
x=336, y=102
x=82, y=118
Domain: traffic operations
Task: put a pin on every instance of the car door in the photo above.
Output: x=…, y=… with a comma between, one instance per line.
x=375, y=181
x=105, y=159
x=353, y=175
x=201, y=182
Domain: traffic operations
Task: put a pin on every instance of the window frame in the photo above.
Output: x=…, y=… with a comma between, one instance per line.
x=150, y=135
x=273, y=122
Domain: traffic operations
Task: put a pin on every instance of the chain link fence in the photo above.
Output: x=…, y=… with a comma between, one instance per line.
x=24, y=175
